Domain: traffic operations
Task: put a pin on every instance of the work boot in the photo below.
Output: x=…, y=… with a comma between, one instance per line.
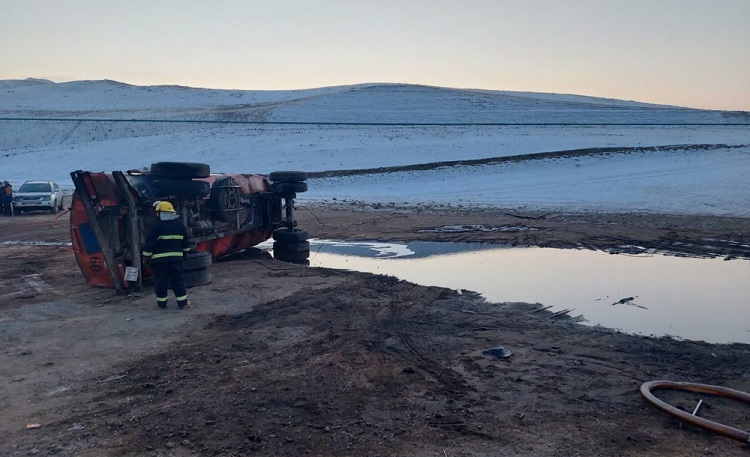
x=184, y=305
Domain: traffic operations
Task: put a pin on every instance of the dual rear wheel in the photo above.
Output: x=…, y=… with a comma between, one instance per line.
x=290, y=243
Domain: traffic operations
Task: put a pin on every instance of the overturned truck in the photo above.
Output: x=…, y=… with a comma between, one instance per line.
x=111, y=214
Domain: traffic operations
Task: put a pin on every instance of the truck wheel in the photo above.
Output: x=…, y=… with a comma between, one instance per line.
x=180, y=188
x=180, y=170
x=293, y=257
x=287, y=176
x=290, y=236
x=196, y=260
x=197, y=277
x=278, y=246
x=225, y=199
x=286, y=188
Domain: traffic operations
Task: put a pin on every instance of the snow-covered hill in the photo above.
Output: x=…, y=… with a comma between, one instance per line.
x=49, y=129
x=364, y=103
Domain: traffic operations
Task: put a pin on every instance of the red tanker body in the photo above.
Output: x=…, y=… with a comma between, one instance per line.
x=225, y=214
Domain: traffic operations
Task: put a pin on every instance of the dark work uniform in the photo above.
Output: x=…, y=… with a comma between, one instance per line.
x=7, y=200
x=166, y=244
x=2, y=198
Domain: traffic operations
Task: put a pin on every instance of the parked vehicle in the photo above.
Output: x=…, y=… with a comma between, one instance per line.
x=38, y=196
x=111, y=214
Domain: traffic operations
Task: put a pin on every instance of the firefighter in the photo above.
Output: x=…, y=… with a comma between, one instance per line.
x=2, y=192
x=7, y=199
x=166, y=245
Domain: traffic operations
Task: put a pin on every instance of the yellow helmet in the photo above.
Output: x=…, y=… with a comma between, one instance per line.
x=164, y=207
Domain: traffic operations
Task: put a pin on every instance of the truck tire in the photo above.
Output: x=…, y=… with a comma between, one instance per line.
x=286, y=188
x=290, y=236
x=287, y=176
x=196, y=260
x=180, y=170
x=180, y=188
x=278, y=246
x=197, y=277
x=294, y=257
x=225, y=199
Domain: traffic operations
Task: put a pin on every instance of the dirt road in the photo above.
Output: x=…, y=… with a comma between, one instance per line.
x=282, y=359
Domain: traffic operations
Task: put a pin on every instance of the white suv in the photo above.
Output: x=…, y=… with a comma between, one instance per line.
x=38, y=195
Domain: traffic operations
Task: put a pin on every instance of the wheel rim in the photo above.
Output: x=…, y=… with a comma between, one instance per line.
x=229, y=198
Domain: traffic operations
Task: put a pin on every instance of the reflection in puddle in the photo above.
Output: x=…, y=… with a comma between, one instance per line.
x=697, y=299
x=36, y=243
x=477, y=228
x=384, y=249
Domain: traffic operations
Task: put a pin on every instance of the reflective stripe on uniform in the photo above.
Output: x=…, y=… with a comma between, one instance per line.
x=161, y=299
x=166, y=254
x=183, y=298
x=170, y=237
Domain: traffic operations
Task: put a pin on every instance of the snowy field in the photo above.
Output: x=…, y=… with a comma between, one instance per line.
x=657, y=158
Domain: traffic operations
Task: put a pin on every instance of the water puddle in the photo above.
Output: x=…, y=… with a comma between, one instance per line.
x=689, y=298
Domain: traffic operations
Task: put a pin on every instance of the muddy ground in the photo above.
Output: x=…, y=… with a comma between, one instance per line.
x=283, y=359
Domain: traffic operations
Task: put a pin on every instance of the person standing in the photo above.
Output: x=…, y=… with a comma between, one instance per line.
x=7, y=199
x=166, y=245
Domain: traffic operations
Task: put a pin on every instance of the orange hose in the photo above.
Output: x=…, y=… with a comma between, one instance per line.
x=721, y=429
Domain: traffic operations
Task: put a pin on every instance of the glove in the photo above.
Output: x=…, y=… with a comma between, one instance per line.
x=146, y=261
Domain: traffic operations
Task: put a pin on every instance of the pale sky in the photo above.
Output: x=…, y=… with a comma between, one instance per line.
x=692, y=53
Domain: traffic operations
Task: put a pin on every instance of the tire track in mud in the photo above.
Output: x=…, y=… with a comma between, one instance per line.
x=453, y=383
x=522, y=158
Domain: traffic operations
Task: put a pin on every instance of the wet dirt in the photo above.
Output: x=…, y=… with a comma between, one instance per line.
x=282, y=359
